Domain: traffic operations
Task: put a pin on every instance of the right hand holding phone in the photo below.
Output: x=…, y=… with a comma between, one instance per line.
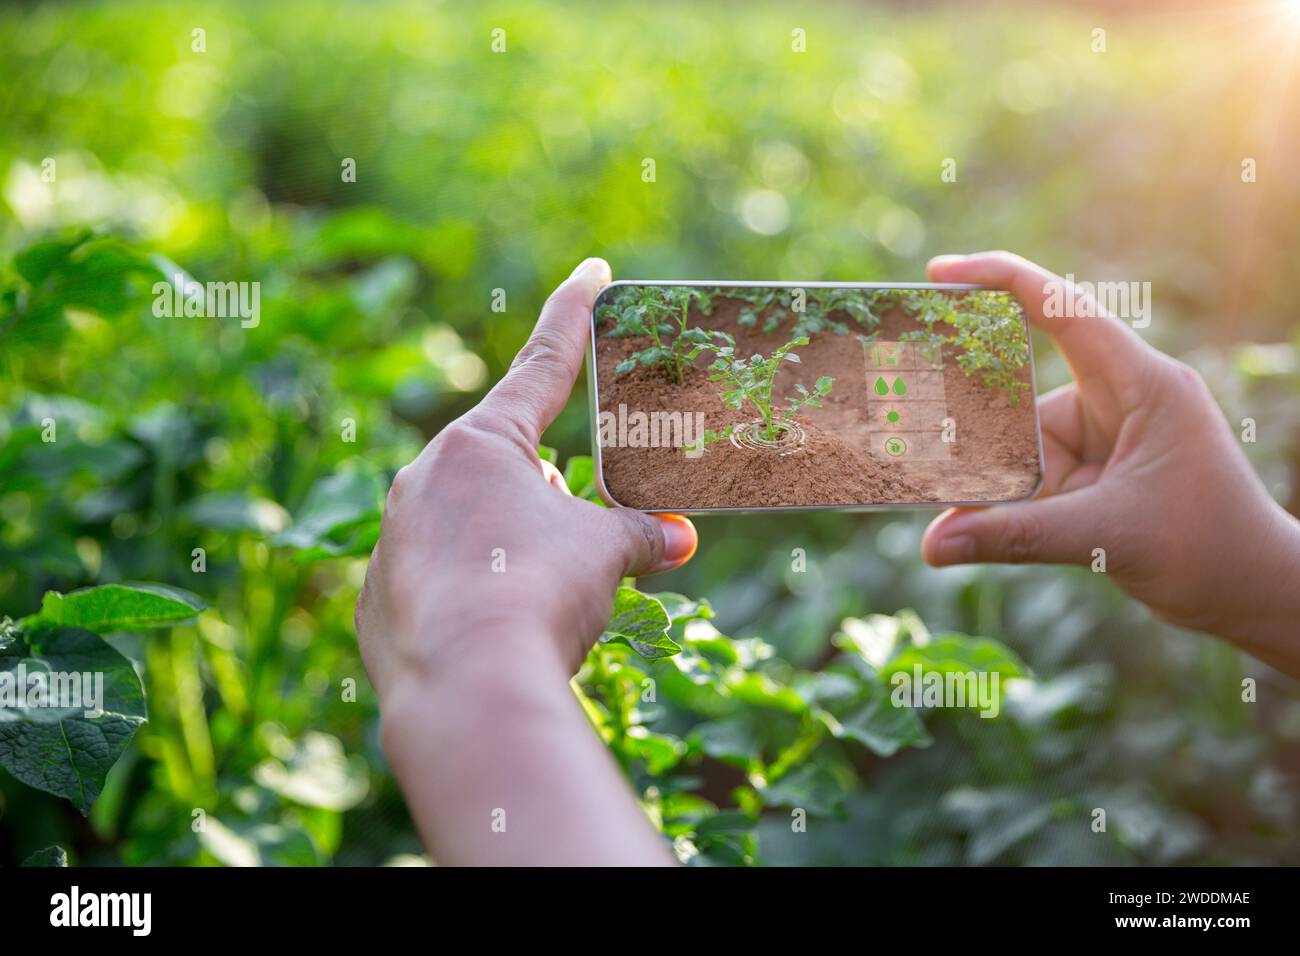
x=1142, y=469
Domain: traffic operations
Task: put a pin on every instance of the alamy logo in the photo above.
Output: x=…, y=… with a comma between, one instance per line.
x=962, y=689
x=74, y=908
x=32, y=686
x=212, y=300
x=626, y=429
x=1090, y=300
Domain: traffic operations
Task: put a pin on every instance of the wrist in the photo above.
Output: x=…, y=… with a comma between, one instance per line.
x=1260, y=614
x=444, y=639
x=495, y=668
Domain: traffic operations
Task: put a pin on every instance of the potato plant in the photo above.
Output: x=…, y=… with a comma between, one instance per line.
x=748, y=381
x=988, y=334
x=812, y=309
x=661, y=313
x=670, y=694
x=66, y=745
x=859, y=304
x=249, y=706
x=711, y=699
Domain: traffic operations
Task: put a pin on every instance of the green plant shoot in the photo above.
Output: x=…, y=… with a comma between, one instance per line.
x=660, y=312
x=749, y=381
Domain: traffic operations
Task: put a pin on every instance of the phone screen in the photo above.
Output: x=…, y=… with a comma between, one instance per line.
x=746, y=396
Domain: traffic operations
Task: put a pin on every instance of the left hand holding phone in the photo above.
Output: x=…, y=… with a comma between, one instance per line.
x=487, y=588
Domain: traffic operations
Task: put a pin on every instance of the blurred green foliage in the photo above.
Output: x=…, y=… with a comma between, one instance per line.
x=128, y=155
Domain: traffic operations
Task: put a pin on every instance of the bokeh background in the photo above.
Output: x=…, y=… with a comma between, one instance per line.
x=479, y=170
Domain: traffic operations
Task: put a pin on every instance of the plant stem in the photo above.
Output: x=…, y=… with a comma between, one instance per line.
x=654, y=334
x=768, y=431
x=681, y=330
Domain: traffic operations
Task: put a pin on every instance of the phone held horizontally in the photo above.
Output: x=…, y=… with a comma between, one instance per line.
x=736, y=396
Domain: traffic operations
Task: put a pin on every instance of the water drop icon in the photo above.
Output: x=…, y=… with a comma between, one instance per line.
x=899, y=387
x=882, y=387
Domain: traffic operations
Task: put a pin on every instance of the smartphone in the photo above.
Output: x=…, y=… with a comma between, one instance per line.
x=744, y=396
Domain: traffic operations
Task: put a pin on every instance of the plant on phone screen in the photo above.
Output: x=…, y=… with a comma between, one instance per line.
x=988, y=334
x=660, y=312
x=861, y=305
x=770, y=304
x=813, y=309
x=749, y=381
x=708, y=438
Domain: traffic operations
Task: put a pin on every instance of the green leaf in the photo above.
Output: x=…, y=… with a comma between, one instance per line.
x=659, y=752
x=38, y=261
x=830, y=686
x=580, y=476
x=50, y=856
x=116, y=607
x=878, y=725
x=625, y=366
x=735, y=739
x=64, y=751
x=761, y=690
x=995, y=819
x=874, y=639
x=316, y=772
x=682, y=609
x=817, y=788
x=728, y=821
x=957, y=653
x=236, y=511
x=640, y=622
x=258, y=844
x=334, y=518
x=547, y=453
x=99, y=273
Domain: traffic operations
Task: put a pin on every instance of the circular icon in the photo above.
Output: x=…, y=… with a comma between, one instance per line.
x=893, y=416
x=895, y=446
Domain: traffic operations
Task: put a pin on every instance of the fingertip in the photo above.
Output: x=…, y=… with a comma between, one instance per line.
x=948, y=540
x=929, y=540
x=680, y=541
x=940, y=266
x=592, y=275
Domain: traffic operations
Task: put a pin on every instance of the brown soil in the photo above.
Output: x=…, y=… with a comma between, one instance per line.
x=995, y=456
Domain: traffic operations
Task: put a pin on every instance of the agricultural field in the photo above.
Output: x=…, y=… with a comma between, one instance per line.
x=191, y=502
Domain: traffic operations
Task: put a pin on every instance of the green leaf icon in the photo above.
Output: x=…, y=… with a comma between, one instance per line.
x=882, y=387
x=899, y=387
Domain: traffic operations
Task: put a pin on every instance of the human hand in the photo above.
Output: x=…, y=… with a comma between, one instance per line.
x=1138, y=461
x=482, y=548
x=486, y=590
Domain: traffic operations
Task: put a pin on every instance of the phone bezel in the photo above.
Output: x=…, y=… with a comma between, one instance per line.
x=593, y=397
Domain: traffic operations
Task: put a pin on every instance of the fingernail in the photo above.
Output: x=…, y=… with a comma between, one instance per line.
x=958, y=549
x=945, y=259
x=959, y=522
x=679, y=540
x=577, y=270
x=594, y=269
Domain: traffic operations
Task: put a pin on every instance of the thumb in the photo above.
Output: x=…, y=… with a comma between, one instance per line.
x=649, y=544
x=1063, y=529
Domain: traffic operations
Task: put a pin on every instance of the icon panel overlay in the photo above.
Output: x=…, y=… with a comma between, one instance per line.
x=906, y=402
